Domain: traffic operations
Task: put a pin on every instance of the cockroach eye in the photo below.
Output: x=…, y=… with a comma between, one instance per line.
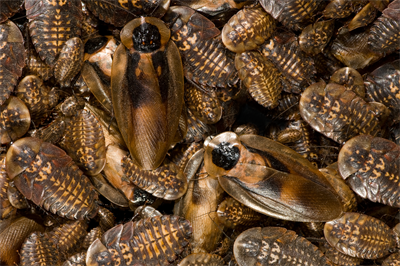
x=146, y=38
x=225, y=155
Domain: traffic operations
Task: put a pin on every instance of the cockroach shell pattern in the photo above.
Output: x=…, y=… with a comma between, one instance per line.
x=45, y=174
x=12, y=58
x=371, y=168
x=271, y=178
x=147, y=90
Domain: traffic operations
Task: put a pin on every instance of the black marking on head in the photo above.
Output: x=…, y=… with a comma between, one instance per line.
x=225, y=155
x=95, y=44
x=146, y=38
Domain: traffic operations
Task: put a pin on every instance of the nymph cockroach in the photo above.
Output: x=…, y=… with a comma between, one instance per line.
x=339, y=113
x=38, y=249
x=69, y=62
x=371, y=168
x=67, y=237
x=205, y=59
x=39, y=99
x=315, y=37
x=84, y=142
x=95, y=233
x=13, y=235
x=384, y=34
x=276, y=246
x=360, y=235
x=247, y=29
x=14, y=120
x=259, y=75
x=232, y=214
x=262, y=174
x=147, y=90
x=294, y=14
x=197, y=130
x=152, y=241
x=392, y=260
x=36, y=66
x=167, y=181
x=12, y=58
x=51, y=24
x=364, y=17
x=284, y=52
x=48, y=177
x=204, y=105
x=383, y=85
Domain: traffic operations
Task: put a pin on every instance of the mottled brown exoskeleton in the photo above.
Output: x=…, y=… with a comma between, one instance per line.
x=384, y=34
x=276, y=246
x=39, y=99
x=383, y=85
x=95, y=233
x=84, y=142
x=204, y=57
x=51, y=24
x=259, y=75
x=152, y=241
x=352, y=50
x=339, y=113
x=284, y=52
x=204, y=105
x=12, y=58
x=371, y=168
x=36, y=66
x=315, y=37
x=202, y=259
x=106, y=218
x=360, y=235
x=197, y=130
x=351, y=79
x=78, y=259
x=8, y=8
x=167, y=181
x=392, y=260
x=364, y=17
x=182, y=153
x=68, y=236
x=12, y=236
x=337, y=257
x=120, y=13
x=48, y=177
x=232, y=214
x=69, y=62
x=14, y=120
x=294, y=14
x=38, y=249
x=287, y=108
x=247, y=29
x=6, y=208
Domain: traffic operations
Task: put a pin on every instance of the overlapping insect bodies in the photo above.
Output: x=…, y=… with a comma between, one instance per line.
x=384, y=34
x=339, y=113
x=204, y=57
x=119, y=13
x=152, y=241
x=383, y=85
x=12, y=58
x=360, y=235
x=276, y=246
x=262, y=174
x=51, y=24
x=371, y=168
x=9, y=8
x=48, y=177
x=147, y=90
